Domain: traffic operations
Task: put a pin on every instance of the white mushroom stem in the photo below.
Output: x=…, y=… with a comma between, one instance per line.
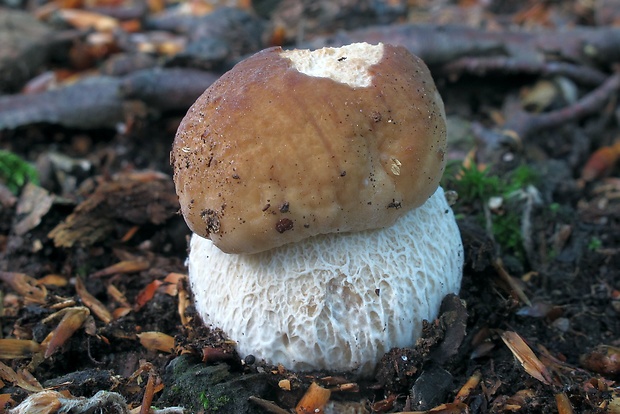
x=333, y=302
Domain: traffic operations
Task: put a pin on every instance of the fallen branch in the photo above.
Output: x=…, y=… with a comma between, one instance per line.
x=522, y=125
x=439, y=45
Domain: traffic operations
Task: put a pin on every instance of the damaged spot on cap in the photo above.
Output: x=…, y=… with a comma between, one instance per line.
x=283, y=225
x=347, y=64
x=212, y=219
x=395, y=166
x=394, y=204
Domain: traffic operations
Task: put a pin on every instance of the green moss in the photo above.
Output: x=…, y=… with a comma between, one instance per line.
x=213, y=404
x=594, y=244
x=476, y=187
x=474, y=184
x=15, y=172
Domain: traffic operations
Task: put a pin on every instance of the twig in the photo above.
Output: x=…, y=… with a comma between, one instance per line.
x=527, y=124
x=267, y=405
x=522, y=125
x=482, y=65
x=438, y=45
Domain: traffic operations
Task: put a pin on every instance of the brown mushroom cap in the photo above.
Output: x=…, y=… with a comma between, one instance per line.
x=269, y=155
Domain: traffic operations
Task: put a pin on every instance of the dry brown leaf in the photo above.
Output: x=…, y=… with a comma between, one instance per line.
x=563, y=403
x=92, y=302
x=117, y=295
x=66, y=303
x=450, y=408
x=313, y=400
x=146, y=294
x=614, y=404
x=82, y=19
x=18, y=348
x=25, y=286
x=169, y=289
x=5, y=399
x=44, y=402
x=349, y=387
x=7, y=374
x=123, y=267
x=511, y=281
x=601, y=162
x=519, y=400
x=34, y=203
x=173, y=281
x=149, y=391
x=120, y=312
x=157, y=341
x=175, y=278
x=71, y=321
x=603, y=359
x=184, y=302
x=53, y=280
x=526, y=357
x=130, y=233
x=468, y=387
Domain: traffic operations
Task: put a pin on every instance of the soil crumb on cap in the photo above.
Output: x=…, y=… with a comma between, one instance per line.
x=347, y=64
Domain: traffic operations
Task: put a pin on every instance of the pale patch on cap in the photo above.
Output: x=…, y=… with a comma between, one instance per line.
x=347, y=64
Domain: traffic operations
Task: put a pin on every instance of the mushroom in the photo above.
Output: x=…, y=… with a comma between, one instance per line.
x=310, y=180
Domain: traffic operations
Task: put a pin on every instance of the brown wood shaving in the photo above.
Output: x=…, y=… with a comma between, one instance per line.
x=526, y=357
x=313, y=400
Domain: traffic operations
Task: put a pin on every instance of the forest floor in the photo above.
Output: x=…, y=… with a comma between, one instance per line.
x=94, y=293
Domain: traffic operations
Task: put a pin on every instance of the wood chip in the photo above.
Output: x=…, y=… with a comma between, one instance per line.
x=314, y=400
